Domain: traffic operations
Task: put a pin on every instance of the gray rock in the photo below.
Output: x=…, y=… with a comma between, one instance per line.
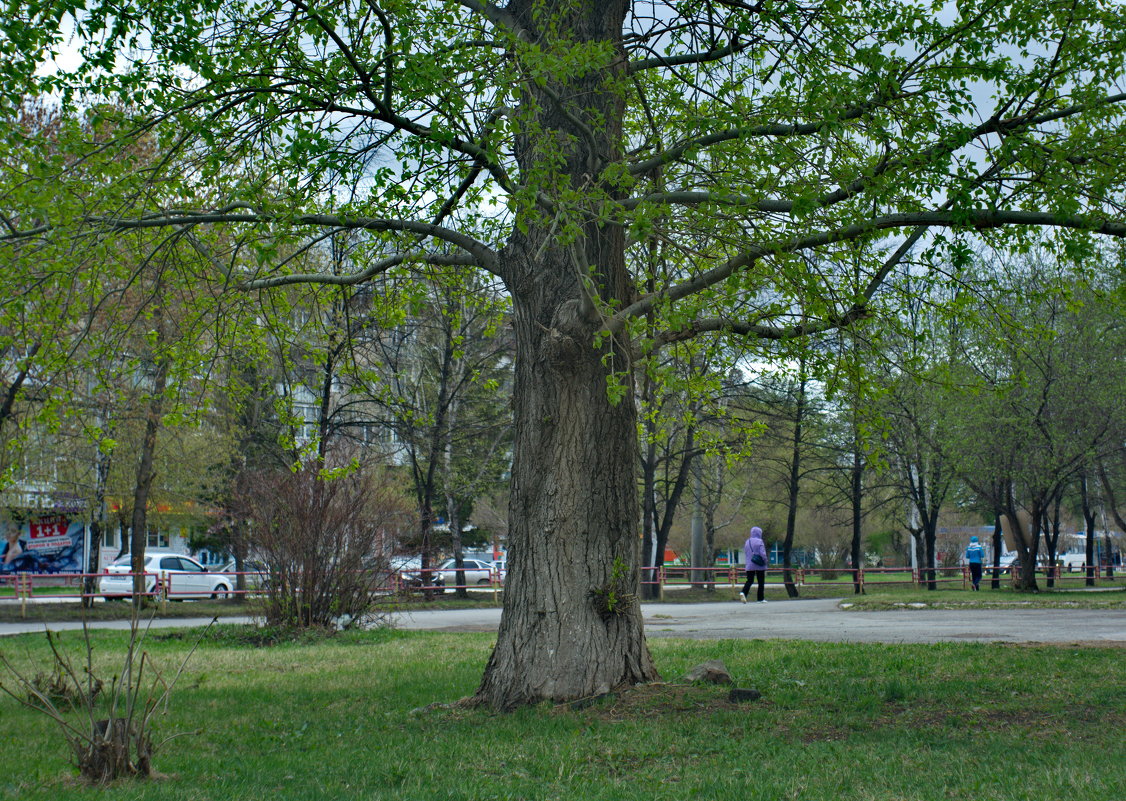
x=713, y=672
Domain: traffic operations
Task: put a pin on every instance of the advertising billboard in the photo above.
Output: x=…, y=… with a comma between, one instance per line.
x=44, y=544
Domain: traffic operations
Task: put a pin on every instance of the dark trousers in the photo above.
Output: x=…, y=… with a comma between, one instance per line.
x=975, y=573
x=751, y=575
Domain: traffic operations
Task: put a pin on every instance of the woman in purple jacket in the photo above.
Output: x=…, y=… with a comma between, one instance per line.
x=754, y=549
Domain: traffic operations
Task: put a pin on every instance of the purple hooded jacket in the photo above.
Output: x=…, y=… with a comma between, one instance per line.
x=754, y=545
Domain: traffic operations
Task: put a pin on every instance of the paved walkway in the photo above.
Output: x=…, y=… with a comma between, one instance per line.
x=812, y=619
x=824, y=620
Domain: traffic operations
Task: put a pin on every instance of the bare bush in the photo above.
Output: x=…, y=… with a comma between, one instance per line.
x=326, y=540
x=109, y=731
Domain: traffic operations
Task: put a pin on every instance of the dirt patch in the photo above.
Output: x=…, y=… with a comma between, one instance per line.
x=655, y=700
x=1072, y=644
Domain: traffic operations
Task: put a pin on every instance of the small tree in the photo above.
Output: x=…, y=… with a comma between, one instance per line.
x=325, y=536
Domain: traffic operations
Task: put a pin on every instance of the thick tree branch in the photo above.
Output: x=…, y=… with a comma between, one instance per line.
x=500, y=17
x=858, y=311
x=977, y=219
x=757, y=330
x=485, y=256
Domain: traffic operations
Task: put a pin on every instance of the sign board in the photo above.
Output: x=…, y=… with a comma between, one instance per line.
x=45, y=544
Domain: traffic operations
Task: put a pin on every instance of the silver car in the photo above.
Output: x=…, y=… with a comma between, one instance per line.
x=172, y=574
x=476, y=572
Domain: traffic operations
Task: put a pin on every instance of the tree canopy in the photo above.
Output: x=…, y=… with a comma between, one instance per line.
x=785, y=157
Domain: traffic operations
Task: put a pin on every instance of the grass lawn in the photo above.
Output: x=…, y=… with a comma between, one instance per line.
x=347, y=718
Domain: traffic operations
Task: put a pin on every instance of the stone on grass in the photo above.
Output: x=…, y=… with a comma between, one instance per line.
x=713, y=672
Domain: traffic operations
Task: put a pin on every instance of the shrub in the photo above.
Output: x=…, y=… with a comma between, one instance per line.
x=325, y=537
x=107, y=725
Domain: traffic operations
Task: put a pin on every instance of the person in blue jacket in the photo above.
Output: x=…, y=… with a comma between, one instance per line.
x=975, y=556
x=754, y=549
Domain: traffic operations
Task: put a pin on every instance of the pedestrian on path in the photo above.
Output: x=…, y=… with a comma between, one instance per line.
x=975, y=555
x=754, y=549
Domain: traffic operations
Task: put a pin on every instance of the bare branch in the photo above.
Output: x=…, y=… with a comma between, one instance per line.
x=776, y=130
x=381, y=266
x=688, y=58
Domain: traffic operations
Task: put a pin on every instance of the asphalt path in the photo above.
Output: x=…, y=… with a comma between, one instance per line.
x=804, y=619
x=824, y=620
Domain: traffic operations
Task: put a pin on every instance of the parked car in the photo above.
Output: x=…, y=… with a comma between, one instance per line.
x=1073, y=560
x=255, y=573
x=1011, y=559
x=476, y=572
x=178, y=575
x=409, y=571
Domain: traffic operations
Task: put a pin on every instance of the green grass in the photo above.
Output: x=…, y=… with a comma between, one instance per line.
x=341, y=719
x=1060, y=598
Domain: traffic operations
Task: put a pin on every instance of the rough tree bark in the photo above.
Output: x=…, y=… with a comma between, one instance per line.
x=576, y=630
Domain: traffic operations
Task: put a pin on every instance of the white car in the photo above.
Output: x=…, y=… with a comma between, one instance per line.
x=1073, y=560
x=176, y=575
x=255, y=572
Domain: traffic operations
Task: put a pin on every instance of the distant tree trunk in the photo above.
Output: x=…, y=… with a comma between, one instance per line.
x=1108, y=491
x=650, y=559
x=794, y=484
x=709, y=532
x=145, y=473
x=662, y=519
x=1027, y=542
x=238, y=550
x=1089, y=526
x=998, y=545
x=697, y=519
x=930, y=573
x=328, y=378
x=102, y=462
x=1051, y=529
x=857, y=516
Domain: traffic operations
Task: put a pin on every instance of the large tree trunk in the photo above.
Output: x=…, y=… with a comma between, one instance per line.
x=572, y=623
